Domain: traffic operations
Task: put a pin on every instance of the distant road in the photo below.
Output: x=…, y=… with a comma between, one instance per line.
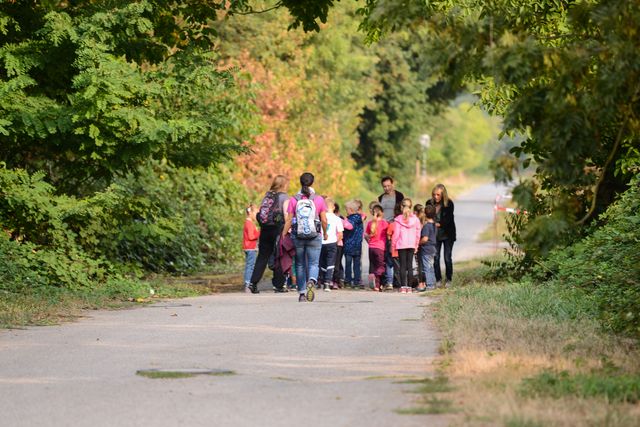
x=473, y=214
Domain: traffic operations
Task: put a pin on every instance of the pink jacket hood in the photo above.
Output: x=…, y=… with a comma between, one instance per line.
x=406, y=235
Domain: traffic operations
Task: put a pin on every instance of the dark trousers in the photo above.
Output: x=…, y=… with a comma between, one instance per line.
x=406, y=266
x=327, y=262
x=421, y=276
x=396, y=272
x=338, y=272
x=448, y=263
x=267, y=247
x=353, y=273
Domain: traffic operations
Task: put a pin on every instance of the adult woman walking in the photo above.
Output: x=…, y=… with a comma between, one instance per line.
x=306, y=215
x=446, y=231
x=270, y=216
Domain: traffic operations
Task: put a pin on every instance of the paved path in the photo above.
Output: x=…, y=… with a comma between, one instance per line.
x=473, y=214
x=334, y=362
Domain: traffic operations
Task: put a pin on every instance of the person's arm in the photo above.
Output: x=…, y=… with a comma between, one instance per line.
x=323, y=220
x=288, y=218
x=346, y=224
x=254, y=233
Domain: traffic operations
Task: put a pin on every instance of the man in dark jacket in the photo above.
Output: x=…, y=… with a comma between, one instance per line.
x=389, y=200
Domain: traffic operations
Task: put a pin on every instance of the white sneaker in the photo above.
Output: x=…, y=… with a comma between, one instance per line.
x=326, y=288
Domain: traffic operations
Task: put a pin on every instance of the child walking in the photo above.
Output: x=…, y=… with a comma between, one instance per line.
x=428, y=247
x=353, y=246
x=418, y=210
x=406, y=238
x=250, y=235
x=376, y=237
x=329, y=246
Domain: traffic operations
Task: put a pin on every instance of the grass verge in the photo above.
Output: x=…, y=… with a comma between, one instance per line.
x=56, y=305
x=527, y=354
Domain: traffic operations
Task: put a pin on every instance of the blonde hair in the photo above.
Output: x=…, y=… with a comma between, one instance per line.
x=407, y=204
x=351, y=205
x=331, y=204
x=279, y=183
x=445, y=195
x=375, y=206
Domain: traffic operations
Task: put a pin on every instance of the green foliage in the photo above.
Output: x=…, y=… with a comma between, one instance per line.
x=614, y=386
x=176, y=219
x=606, y=263
x=79, y=98
x=565, y=74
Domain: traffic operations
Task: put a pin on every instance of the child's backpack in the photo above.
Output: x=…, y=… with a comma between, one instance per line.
x=270, y=212
x=306, y=224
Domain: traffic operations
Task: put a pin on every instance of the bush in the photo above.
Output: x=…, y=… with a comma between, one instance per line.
x=176, y=219
x=606, y=264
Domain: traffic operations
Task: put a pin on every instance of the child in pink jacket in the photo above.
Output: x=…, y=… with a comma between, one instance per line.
x=406, y=239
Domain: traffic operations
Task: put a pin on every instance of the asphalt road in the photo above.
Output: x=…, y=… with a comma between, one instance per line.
x=337, y=361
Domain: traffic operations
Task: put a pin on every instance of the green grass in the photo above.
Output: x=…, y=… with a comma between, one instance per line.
x=49, y=306
x=180, y=374
x=614, y=387
x=431, y=406
x=521, y=422
x=438, y=384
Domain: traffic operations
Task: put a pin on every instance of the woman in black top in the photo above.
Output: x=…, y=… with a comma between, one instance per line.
x=446, y=230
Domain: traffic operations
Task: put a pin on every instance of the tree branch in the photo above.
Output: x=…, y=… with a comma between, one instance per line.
x=606, y=165
x=255, y=12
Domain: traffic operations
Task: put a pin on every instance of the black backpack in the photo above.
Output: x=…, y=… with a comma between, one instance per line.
x=270, y=212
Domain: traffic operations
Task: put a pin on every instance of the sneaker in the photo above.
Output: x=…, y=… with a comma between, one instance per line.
x=254, y=288
x=421, y=288
x=430, y=288
x=447, y=284
x=326, y=287
x=371, y=280
x=334, y=287
x=438, y=284
x=281, y=290
x=389, y=287
x=302, y=298
x=247, y=289
x=376, y=288
x=360, y=286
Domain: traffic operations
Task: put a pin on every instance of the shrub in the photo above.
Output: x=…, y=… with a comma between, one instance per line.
x=606, y=264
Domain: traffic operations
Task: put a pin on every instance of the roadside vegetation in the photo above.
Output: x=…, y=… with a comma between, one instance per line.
x=557, y=346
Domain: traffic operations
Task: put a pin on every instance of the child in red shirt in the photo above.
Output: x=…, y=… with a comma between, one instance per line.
x=250, y=236
x=376, y=237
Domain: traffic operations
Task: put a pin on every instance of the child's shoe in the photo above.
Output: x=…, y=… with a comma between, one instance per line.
x=326, y=287
x=371, y=280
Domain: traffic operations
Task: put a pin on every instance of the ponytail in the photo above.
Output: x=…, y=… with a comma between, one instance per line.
x=306, y=181
x=406, y=208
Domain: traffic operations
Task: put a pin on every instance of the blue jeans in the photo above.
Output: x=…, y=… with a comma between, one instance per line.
x=448, y=263
x=388, y=261
x=353, y=267
x=249, y=262
x=428, y=268
x=307, y=261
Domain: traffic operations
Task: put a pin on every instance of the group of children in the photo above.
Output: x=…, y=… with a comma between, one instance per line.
x=411, y=235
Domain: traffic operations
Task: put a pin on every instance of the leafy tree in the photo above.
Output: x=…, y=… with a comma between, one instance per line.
x=564, y=73
x=89, y=91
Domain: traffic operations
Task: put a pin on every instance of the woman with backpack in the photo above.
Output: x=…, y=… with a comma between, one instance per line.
x=270, y=217
x=306, y=215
